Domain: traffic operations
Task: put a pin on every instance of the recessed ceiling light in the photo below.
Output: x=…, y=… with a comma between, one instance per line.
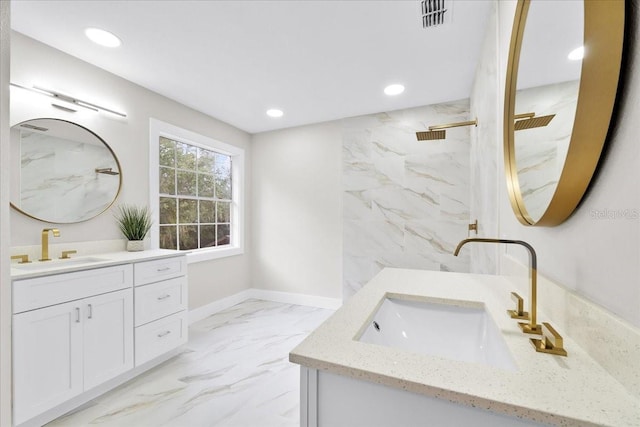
x=394, y=89
x=576, y=54
x=274, y=112
x=102, y=37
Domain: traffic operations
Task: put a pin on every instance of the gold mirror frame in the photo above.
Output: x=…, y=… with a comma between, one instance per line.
x=115, y=158
x=603, y=38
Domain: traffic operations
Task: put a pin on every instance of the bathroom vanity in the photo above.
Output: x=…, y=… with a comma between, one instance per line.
x=85, y=325
x=351, y=371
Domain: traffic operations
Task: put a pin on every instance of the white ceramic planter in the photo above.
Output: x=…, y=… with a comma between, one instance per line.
x=135, y=245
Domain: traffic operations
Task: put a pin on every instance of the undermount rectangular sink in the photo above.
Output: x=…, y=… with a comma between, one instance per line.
x=58, y=263
x=451, y=331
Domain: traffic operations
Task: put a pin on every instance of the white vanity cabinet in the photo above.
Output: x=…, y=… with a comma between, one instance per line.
x=161, y=307
x=78, y=334
x=64, y=349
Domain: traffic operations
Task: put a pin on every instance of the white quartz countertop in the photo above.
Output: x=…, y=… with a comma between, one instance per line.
x=566, y=391
x=58, y=266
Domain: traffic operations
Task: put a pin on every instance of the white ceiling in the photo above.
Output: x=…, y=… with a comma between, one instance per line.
x=233, y=60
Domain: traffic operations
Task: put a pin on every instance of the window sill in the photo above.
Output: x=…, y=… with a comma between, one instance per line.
x=201, y=255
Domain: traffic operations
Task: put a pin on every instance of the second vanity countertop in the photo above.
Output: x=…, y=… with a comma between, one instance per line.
x=557, y=390
x=57, y=266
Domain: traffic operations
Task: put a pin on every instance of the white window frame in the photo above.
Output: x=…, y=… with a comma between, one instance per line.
x=159, y=128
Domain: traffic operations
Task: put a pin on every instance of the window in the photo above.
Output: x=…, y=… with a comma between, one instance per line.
x=196, y=193
x=195, y=196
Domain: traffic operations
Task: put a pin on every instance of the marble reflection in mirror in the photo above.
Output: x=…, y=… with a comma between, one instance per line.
x=548, y=84
x=61, y=171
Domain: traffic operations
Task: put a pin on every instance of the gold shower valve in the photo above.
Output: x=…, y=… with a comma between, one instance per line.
x=474, y=226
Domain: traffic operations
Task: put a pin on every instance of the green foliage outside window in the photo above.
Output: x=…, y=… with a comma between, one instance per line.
x=195, y=196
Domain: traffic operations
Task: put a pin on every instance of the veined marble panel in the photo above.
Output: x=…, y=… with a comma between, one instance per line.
x=486, y=151
x=64, y=170
x=369, y=237
x=234, y=371
x=540, y=152
x=440, y=236
x=406, y=202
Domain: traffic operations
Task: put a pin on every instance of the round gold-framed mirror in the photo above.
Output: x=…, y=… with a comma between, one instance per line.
x=551, y=150
x=61, y=172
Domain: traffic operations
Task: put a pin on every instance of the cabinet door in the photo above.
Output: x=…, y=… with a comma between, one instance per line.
x=108, y=336
x=47, y=358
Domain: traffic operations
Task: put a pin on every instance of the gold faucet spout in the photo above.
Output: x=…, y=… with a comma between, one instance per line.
x=45, y=242
x=532, y=327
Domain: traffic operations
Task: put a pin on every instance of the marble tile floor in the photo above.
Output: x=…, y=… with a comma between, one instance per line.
x=234, y=371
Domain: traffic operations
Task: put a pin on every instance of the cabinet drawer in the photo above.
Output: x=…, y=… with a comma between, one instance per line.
x=30, y=294
x=161, y=269
x=160, y=299
x=157, y=338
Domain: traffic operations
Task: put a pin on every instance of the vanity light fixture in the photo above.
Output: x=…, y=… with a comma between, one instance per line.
x=576, y=54
x=275, y=113
x=69, y=99
x=437, y=132
x=102, y=37
x=394, y=89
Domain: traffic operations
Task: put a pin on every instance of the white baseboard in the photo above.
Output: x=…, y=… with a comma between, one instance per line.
x=285, y=297
x=222, y=304
x=297, y=299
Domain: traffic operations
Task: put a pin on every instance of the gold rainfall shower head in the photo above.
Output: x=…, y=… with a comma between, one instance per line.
x=437, y=132
x=431, y=135
x=107, y=171
x=530, y=121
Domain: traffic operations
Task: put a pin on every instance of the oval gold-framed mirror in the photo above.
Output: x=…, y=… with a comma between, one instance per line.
x=551, y=154
x=61, y=172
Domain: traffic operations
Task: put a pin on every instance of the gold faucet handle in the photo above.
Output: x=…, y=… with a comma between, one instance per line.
x=24, y=259
x=551, y=341
x=519, y=312
x=65, y=254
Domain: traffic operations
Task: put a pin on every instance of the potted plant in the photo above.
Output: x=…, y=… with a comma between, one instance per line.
x=134, y=222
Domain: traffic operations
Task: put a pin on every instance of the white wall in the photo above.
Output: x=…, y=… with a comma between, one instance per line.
x=598, y=258
x=5, y=281
x=35, y=63
x=297, y=210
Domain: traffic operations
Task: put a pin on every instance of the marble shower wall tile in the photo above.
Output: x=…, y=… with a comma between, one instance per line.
x=540, y=152
x=486, y=169
x=69, y=167
x=405, y=202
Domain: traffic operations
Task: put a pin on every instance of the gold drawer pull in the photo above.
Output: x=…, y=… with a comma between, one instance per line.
x=163, y=297
x=163, y=334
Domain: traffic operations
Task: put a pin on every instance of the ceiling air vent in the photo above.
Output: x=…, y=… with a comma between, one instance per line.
x=435, y=12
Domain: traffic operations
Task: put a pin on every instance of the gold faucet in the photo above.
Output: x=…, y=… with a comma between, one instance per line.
x=45, y=242
x=532, y=327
